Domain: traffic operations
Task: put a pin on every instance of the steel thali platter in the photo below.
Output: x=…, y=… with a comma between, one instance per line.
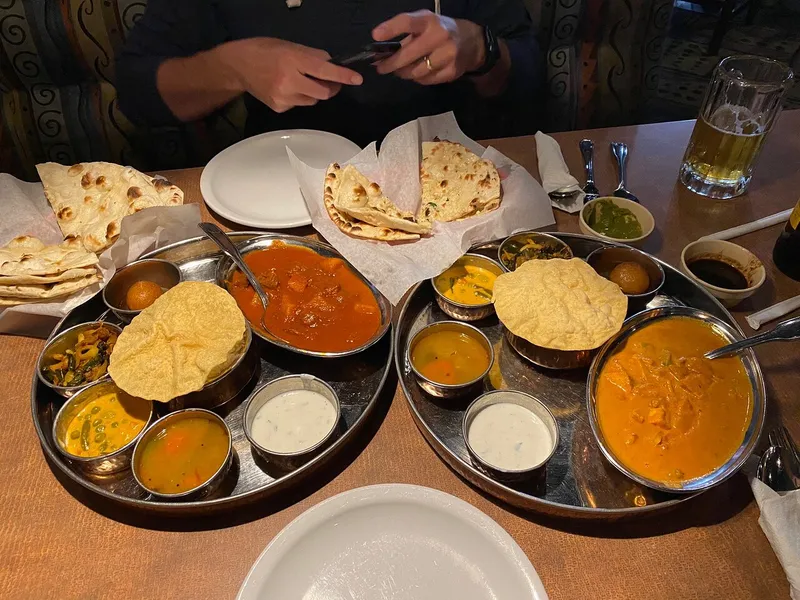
x=357, y=380
x=578, y=481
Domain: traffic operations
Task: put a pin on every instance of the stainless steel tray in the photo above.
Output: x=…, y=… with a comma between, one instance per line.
x=357, y=379
x=578, y=481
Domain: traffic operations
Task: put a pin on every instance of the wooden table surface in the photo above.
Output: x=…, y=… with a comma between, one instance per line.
x=57, y=541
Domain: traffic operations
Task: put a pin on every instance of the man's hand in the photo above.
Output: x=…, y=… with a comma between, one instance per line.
x=282, y=74
x=452, y=47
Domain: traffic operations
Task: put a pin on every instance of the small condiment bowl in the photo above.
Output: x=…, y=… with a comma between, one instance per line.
x=61, y=342
x=527, y=402
x=751, y=368
x=161, y=272
x=644, y=216
x=113, y=462
x=447, y=390
x=152, y=431
x=603, y=260
x=740, y=258
x=510, y=247
x=468, y=312
x=290, y=460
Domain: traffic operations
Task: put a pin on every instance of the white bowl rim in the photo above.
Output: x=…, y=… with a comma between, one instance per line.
x=625, y=204
x=761, y=268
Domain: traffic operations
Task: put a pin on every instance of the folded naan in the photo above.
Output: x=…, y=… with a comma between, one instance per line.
x=91, y=199
x=456, y=183
x=359, y=208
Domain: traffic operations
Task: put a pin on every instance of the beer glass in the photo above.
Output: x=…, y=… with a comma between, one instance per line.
x=741, y=105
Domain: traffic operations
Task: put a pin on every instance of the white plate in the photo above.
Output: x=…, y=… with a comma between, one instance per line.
x=392, y=542
x=252, y=182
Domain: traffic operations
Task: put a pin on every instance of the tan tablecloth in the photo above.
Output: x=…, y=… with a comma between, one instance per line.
x=57, y=541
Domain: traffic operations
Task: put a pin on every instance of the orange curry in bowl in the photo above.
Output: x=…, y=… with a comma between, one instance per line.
x=316, y=303
x=666, y=412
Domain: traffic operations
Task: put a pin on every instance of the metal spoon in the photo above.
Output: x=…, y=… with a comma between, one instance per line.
x=587, y=151
x=620, y=152
x=216, y=235
x=787, y=330
x=789, y=455
x=767, y=470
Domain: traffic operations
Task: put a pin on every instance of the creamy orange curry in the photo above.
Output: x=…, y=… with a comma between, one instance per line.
x=668, y=413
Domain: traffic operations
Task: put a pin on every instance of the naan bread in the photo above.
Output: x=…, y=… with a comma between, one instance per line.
x=40, y=279
x=363, y=200
x=353, y=226
x=91, y=199
x=27, y=256
x=456, y=183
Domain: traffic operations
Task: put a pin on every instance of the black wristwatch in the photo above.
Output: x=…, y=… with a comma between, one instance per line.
x=492, y=53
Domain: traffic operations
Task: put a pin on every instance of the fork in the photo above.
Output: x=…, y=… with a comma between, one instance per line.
x=587, y=151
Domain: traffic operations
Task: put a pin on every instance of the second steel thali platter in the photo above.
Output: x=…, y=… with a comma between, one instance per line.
x=357, y=381
x=578, y=480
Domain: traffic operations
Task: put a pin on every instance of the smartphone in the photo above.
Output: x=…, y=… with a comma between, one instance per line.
x=368, y=54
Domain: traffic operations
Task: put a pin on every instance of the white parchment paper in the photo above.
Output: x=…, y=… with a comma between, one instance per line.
x=393, y=267
x=25, y=211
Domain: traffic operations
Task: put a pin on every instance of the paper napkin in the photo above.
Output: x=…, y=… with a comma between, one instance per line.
x=555, y=174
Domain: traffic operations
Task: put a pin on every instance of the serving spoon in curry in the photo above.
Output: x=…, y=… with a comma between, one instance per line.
x=216, y=235
x=784, y=331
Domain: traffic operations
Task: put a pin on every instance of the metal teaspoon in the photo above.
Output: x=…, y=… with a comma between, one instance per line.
x=784, y=331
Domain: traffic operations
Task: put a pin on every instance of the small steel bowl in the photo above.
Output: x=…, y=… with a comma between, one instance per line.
x=61, y=342
x=510, y=247
x=468, y=312
x=290, y=460
x=225, y=386
x=445, y=390
x=207, y=486
x=113, y=462
x=603, y=260
x=161, y=272
x=226, y=269
x=748, y=357
x=511, y=397
x=550, y=358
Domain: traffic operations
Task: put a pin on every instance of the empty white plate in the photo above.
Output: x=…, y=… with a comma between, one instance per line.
x=392, y=542
x=252, y=182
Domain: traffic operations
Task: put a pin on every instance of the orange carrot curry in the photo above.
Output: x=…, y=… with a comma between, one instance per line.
x=316, y=303
x=668, y=413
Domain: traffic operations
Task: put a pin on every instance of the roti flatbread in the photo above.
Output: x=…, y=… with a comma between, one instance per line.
x=51, y=290
x=456, y=183
x=42, y=279
x=350, y=225
x=29, y=256
x=364, y=200
x=91, y=199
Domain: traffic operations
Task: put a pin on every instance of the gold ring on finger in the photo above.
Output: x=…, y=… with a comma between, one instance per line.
x=428, y=63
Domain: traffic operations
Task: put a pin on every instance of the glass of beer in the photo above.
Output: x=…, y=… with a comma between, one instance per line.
x=741, y=105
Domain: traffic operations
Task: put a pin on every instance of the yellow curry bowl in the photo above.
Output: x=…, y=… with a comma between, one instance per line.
x=103, y=463
x=450, y=390
x=753, y=423
x=157, y=433
x=58, y=345
x=459, y=310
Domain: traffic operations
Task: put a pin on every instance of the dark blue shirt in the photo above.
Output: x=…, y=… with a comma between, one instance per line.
x=179, y=28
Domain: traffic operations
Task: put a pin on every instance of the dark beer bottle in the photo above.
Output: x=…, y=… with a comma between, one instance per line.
x=786, y=254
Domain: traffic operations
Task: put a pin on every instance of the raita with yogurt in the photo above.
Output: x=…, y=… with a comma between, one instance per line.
x=510, y=437
x=293, y=421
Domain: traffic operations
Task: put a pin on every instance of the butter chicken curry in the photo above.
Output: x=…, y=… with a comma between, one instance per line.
x=666, y=412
